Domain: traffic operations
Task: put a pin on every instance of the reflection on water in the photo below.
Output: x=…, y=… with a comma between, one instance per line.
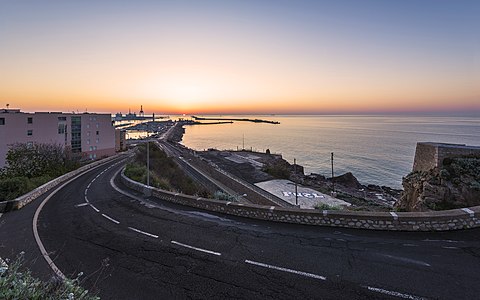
x=376, y=149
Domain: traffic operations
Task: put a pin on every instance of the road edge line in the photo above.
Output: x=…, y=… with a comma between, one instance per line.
x=44, y=252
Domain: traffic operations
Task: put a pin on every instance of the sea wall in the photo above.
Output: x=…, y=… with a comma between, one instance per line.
x=394, y=221
x=432, y=155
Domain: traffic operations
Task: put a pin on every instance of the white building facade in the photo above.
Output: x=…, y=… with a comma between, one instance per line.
x=89, y=134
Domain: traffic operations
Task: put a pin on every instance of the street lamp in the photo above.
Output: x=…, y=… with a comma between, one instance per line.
x=148, y=164
x=295, y=174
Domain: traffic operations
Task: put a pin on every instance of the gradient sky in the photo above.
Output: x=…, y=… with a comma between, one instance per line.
x=248, y=56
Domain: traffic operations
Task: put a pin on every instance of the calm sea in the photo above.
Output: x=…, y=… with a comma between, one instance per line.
x=376, y=149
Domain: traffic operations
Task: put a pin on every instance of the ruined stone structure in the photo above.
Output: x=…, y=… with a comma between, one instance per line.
x=432, y=155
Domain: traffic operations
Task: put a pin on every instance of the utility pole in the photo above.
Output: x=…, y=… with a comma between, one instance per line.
x=296, y=188
x=243, y=141
x=333, y=179
x=148, y=163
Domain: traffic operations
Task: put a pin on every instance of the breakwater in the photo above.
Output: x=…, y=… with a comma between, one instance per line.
x=236, y=119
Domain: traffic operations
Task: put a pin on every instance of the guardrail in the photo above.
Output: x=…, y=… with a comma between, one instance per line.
x=454, y=219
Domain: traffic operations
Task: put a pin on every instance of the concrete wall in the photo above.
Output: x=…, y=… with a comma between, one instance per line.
x=394, y=221
x=431, y=155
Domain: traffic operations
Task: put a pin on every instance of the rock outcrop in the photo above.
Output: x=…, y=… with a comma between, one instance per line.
x=454, y=185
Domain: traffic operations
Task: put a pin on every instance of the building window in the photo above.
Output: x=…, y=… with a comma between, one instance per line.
x=88, y=142
x=88, y=125
x=29, y=145
x=97, y=125
x=94, y=147
x=76, y=142
x=97, y=140
x=2, y=121
x=29, y=132
x=61, y=128
x=98, y=132
x=29, y=120
x=91, y=148
x=62, y=118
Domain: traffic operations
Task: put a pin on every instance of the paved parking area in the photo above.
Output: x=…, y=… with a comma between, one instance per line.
x=307, y=197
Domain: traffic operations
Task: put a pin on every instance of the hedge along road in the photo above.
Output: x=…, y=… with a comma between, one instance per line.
x=129, y=247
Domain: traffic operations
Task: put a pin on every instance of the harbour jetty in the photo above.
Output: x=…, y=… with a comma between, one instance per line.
x=235, y=119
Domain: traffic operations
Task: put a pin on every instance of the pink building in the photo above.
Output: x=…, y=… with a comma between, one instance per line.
x=90, y=134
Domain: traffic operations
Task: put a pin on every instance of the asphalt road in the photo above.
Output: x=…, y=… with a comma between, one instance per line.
x=131, y=248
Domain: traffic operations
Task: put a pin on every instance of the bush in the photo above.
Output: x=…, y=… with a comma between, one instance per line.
x=17, y=282
x=324, y=206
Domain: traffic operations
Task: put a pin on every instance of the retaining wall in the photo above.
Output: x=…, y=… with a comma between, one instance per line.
x=18, y=203
x=395, y=221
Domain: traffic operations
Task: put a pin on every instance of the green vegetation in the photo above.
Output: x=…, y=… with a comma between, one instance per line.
x=164, y=173
x=277, y=170
x=324, y=206
x=30, y=165
x=219, y=195
x=17, y=282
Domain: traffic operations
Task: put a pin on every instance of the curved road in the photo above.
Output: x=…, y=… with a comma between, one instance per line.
x=134, y=248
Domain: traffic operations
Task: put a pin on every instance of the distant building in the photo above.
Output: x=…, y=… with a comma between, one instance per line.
x=89, y=134
x=120, y=140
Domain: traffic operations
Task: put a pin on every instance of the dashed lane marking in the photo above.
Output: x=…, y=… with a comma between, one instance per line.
x=111, y=219
x=81, y=204
x=96, y=209
x=143, y=232
x=197, y=249
x=286, y=270
x=393, y=293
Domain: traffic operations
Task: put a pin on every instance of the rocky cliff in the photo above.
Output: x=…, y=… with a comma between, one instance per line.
x=454, y=185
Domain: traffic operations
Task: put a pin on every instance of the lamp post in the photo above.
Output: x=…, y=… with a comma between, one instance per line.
x=148, y=164
x=296, y=188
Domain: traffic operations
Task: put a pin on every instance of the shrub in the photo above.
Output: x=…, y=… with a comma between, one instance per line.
x=324, y=206
x=17, y=282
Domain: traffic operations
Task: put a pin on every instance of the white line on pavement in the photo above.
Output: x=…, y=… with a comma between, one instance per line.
x=195, y=248
x=96, y=209
x=111, y=219
x=285, y=270
x=143, y=232
x=81, y=204
x=393, y=293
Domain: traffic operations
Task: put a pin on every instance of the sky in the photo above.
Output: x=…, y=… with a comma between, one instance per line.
x=248, y=56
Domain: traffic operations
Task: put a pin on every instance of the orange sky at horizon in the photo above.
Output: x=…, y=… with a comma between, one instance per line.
x=265, y=58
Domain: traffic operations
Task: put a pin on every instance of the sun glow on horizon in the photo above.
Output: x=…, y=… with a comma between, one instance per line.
x=275, y=57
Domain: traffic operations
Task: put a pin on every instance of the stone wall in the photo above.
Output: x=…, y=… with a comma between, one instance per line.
x=395, y=221
x=431, y=155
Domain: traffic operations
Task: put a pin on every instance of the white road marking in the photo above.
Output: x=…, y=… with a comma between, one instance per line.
x=81, y=204
x=408, y=260
x=96, y=209
x=444, y=247
x=195, y=248
x=446, y=241
x=393, y=293
x=469, y=211
x=86, y=199
x=111, y=219
x=286, y=270
x=394, y=215
x=143, y=232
